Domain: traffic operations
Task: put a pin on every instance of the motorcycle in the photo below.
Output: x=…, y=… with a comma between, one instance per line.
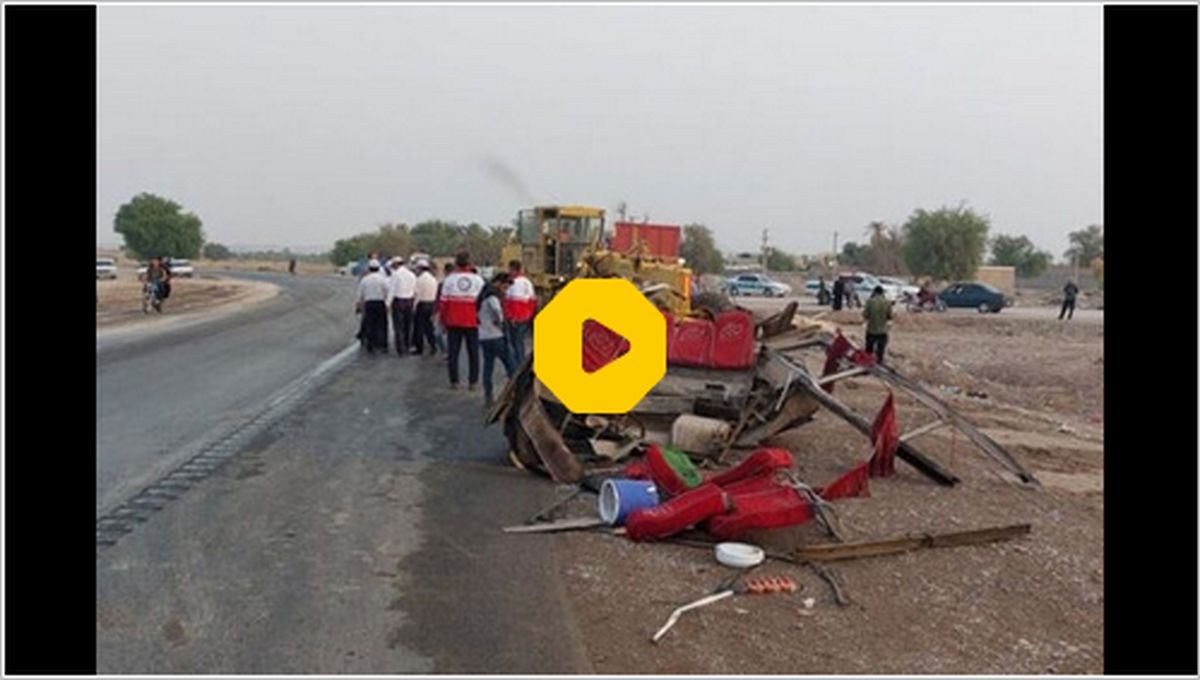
x=151, y=298
x=923, y=302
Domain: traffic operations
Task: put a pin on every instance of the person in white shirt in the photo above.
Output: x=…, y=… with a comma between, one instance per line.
x=403, y=303
x=426, y=289
x=373, y=292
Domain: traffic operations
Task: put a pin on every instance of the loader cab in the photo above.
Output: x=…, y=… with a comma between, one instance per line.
x=553, y=238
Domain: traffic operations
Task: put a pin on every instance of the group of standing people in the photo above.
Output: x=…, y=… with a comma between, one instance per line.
x=843, y=293
x=493, y=318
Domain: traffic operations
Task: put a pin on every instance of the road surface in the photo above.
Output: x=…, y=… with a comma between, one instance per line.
x=358, y=533
x=162, y=391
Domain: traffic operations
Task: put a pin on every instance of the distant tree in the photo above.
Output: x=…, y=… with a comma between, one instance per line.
x=157, y=227
x=216, y=251
x=1086, y=245
x=1019, y=252
x=854, y=255
x=779, y=261
x=947, y=243
x=437, y=237
x=393, y=240
x=699, y=250
x=887, y=249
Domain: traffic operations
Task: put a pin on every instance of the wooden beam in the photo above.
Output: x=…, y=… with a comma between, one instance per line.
x=560, y=525
x=850, y=551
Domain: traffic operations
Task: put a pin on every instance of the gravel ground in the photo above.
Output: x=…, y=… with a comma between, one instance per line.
x=1030, y=605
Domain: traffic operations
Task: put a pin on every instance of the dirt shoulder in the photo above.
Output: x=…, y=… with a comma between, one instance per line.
x=1030, y=605
x=119, y=302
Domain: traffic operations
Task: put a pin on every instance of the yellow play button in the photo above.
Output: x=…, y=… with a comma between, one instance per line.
x=626, y=348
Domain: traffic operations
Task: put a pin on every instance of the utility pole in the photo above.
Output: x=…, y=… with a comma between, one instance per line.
x=764, y=250
x=835, y=254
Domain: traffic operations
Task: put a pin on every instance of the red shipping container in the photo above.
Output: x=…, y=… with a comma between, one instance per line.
x=662, y=239
x=601, y=345
x=733, y=340
x=691, y=343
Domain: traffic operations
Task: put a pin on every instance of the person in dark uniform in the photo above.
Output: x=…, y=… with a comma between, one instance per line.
x=839, y=293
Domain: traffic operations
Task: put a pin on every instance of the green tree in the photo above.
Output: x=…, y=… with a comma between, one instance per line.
x=1086, y=245
x=216, y=251
x=779, y=261
x=437, y=237
x=1019, y=252
x=886, y=249
x=947, y=243
x=854, y=255
x=153, y=226
x=699, y=251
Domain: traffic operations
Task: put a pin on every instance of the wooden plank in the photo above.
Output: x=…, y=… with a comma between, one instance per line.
x=560, y=525
x=851, y=551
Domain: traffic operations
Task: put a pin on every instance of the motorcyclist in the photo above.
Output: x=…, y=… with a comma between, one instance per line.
x=159, y=275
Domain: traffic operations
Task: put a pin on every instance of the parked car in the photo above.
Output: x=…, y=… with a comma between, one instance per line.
x=106, y=268
x=180, y=267
x=981, y=296
x=142, y=267
x=865, y=285
x=902, y=288
x=756, y=284
x=346, y=269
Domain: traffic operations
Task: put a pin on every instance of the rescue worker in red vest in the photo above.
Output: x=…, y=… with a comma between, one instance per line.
x=460, y=290
x=520, y=303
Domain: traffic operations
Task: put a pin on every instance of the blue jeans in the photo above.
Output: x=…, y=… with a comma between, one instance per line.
x=493, y=349
x=515, y=334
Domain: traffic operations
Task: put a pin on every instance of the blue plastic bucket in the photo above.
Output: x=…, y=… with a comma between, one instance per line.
x=619, y=497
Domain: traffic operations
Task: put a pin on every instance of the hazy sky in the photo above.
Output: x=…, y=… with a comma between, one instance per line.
x=299, y=125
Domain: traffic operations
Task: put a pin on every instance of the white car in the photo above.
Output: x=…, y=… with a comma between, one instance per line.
x=106, y=268
x=904, y=288
x=865, y=283
x=346, y=269
x=181, y=268
x=756, y=284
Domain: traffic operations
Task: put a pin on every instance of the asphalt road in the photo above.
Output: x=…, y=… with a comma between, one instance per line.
x=163, y=391
x=360, y=533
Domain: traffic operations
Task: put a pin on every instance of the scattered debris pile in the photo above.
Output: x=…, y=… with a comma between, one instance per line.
x=664, y=471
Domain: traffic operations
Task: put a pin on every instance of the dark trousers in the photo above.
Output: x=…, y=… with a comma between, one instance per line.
x=838, y=296
x=877, y=342
x=515, y=334
x=423, y=328
x=402, y=321
x=493, y=350
x=455, y=337
x=375, y=325
x=1068, y=304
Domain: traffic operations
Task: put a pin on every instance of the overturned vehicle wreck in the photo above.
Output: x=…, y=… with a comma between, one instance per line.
x=698, y=421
